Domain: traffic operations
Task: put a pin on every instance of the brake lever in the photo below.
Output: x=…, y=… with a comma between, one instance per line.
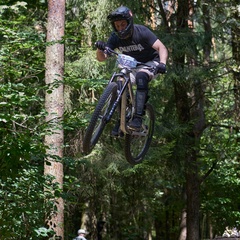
x=108, y=51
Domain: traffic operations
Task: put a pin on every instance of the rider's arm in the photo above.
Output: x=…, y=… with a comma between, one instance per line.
x=112, y=43
x=101, y=56
x=162, y=50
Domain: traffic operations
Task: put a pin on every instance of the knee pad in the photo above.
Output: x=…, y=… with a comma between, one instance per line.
x=142, y=79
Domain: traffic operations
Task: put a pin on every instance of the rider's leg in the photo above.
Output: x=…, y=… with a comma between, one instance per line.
x=142, y=79
x=115, y=130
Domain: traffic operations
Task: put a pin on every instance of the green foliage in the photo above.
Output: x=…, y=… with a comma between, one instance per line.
x=23, y=204
x=21, y=53
x=21, y=137
x=130, y=199
x=21, y=45
x=158, y=183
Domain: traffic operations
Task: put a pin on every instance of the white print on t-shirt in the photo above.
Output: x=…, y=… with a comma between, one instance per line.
x=132, y=48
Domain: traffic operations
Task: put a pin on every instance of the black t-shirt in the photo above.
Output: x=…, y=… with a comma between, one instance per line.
x=138, y=46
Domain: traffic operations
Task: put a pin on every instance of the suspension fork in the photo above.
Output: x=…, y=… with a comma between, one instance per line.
x=120, y=96
x=127, y=85
x=123, y=117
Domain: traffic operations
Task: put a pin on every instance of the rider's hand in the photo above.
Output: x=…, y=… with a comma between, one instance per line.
x=100, y=45
x=160, y=68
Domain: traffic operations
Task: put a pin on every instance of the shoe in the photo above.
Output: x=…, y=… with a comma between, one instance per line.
x=136, y=123
x=115, y=130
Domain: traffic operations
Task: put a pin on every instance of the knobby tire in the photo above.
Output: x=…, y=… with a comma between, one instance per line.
x=136, y=147
x=98, y=119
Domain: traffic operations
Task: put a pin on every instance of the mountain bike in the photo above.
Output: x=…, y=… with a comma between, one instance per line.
x=119, y=96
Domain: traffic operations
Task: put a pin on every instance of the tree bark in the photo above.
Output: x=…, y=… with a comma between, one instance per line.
x=193, y=195
x=54, y=104
x=207, y=33
x=189, y=103
x=183, y=226
x=236, y=71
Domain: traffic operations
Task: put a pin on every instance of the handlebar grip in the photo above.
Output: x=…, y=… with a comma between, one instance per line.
x=109, y=51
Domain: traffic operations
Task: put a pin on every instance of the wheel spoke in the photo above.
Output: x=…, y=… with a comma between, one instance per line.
x=137, y=143
x=97, y=122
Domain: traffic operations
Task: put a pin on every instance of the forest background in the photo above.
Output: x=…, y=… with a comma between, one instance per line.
x=193, y=164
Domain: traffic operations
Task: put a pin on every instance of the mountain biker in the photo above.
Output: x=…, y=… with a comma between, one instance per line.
x=141, y=43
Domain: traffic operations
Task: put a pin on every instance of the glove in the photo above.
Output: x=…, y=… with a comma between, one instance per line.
x=160, y=68
x=100, y=45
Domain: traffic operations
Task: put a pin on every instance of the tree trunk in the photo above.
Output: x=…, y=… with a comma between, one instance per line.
x=189, y=103
x=183, y=226
x=236, y=58
x=207, y=46
x=193, y=196
x=54, y=104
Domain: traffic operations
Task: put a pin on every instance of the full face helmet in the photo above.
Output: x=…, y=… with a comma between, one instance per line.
x=122, y=13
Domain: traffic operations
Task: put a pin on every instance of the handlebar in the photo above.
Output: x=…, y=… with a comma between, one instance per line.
x=108, y=51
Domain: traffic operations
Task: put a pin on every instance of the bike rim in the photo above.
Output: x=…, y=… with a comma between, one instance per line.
x=101, y=121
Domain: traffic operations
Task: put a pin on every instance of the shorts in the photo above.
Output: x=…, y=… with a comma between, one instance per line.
x=144, y=69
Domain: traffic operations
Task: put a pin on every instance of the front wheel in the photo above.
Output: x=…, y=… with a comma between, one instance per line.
x=98, y=120
x=137, y=145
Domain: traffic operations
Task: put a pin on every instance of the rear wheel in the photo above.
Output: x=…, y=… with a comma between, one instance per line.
x=137, y=144
x=98, y=119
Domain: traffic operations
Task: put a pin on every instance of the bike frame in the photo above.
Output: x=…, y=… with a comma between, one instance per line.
x=119, y=96
x=124, y=77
